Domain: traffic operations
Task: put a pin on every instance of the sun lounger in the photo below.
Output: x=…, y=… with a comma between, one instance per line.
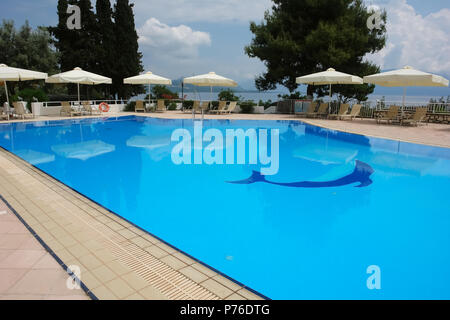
x=310, y=110
x=204, y=106
x=390, y=116
x=161, y=106
x=67, y=110
x=342, y=111
x=221, y=108
x=356, y=110
x=139, y=106
x=87, y=108
x=189, y=109
x=320, y=112
x=20, y=111
x=417, y=118
x=196, y=107
x=231, y=107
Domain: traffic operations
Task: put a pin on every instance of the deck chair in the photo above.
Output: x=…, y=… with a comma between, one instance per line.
x=161, y=106
x=139, y=106
x=221, y=108
x=320, y=111
x=312, y=106
x=231, y=107
x=67, y=110
x=205, y=106
x=390, y=116
x=196, y=106
x=323, y=110
x=87, y=108
x=417, y=118
x=342, y=111
x=4, y=113
x=20, y=111
x=356, y=110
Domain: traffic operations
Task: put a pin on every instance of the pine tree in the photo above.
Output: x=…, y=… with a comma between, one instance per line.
x=63, y=38
x=129, y=60
x=88, y=39
x=300, y=37
x=106, y=51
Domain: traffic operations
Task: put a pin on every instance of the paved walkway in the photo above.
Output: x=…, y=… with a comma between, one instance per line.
x=116, y=260
x=27, y=270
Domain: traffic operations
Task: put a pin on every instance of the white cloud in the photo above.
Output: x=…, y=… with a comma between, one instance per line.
x=176, y=11
x=176, y=42
x=422, y=42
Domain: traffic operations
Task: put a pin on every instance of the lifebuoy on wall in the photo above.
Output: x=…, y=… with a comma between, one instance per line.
x=104, y=107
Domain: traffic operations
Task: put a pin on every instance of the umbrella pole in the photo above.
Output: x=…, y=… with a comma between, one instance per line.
x=404, y=97
x=78, y=86
x=149, y=95
x=329, y=103
x=6, y=91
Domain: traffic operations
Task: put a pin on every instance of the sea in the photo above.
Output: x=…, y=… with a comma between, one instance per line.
x=275, y=96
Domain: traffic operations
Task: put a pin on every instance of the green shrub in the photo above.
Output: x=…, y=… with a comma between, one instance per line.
x=215, y=104
x=247, y=106
x=172, y=106
x=228, y=95
x=130, y=107
x=28, y=94
x=188, y=104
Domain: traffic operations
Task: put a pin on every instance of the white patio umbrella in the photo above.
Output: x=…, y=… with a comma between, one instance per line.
x=149, y=79
x=329, y=77
x=406, y=77
x=79, y=76
x=17, y=74
x=210, y=80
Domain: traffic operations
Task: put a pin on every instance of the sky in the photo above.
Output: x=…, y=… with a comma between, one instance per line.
x=181, y=38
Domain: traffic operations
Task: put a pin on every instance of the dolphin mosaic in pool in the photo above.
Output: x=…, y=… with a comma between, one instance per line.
x=361, y=174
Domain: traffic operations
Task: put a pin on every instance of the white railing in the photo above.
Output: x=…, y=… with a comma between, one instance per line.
x=47, y=104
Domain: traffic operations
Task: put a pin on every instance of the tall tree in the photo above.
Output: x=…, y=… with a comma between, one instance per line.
x=106, y=51
x=26, y=48
x=129, y=59
x=87, y=42
x=305, y=36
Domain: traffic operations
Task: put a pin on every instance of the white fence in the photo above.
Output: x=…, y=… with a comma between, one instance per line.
x=53, y=108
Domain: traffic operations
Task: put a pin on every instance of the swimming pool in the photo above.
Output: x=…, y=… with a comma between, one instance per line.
x=304, y=241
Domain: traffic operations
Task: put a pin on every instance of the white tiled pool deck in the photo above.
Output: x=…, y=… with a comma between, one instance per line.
x=116, y=259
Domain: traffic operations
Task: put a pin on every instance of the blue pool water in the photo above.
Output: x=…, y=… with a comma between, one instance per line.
x=284, y=242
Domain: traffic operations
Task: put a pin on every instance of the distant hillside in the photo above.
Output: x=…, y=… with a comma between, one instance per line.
x=176, y=86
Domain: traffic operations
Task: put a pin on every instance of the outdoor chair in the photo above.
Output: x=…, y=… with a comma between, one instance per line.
x=205, y=106
x=222, y=106
x=87, y=109
x=3, y=114
x=161, y=106
x=390, y=116
x=231, y=107
x=139, y=106
x=67, y=110
x=196, y=107
x=356, y=110
x=20, y=111
x=310, y=110
x=416, y=118
x=343, y=109
x=320, y=111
